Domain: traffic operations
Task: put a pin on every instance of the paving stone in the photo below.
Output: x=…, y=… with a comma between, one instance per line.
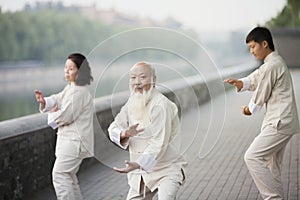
x=222, y=174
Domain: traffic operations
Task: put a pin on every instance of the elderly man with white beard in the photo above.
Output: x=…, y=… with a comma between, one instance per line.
x=149, y=125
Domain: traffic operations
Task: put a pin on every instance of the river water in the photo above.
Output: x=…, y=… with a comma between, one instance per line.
x=17, y=84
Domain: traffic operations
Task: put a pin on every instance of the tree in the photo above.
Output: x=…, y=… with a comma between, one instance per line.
x=49, y=35
x=288, y=17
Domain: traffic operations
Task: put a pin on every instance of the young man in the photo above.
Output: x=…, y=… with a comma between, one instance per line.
x=272, y=86
x=148, y=124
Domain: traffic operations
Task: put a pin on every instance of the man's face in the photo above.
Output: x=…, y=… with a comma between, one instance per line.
x=140, y=78
x=258, y=50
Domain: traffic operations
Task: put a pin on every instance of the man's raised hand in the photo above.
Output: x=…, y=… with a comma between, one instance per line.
x=131, y=131
x=237, y=83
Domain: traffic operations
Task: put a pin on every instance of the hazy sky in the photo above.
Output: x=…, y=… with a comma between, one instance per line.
x=202, y=15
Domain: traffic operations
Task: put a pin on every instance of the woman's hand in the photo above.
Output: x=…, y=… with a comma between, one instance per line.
x=40, y=98
x=54, y=109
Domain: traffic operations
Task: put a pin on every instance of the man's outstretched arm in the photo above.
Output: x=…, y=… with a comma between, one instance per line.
x=235, y=82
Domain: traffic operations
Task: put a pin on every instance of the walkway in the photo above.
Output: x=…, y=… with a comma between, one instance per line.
x=221, y=174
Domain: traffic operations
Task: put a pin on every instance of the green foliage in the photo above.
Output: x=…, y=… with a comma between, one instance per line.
x=49, y=35
x=288, y=17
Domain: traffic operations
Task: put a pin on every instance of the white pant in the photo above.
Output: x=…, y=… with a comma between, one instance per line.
x=65, y=181
x=263, y=159
x=166, y=190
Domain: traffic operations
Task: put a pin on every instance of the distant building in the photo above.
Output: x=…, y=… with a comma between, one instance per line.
x=114, y=17
x=105, y=16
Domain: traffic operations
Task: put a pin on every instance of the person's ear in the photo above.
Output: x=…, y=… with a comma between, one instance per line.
x=265, y=44
x=154, y=81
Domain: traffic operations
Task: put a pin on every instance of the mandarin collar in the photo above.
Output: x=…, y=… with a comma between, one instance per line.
x=271, y=55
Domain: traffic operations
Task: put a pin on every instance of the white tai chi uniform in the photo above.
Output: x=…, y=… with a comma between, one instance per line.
x=156, y=149
x=75, y=137
x=272, y=86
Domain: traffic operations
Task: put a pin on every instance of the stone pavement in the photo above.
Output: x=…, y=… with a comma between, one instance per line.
x=215, y=138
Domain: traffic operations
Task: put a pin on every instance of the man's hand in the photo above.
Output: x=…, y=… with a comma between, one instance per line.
x=246, y=111
x=130, y=166
x=132, y=131
x=237, y=83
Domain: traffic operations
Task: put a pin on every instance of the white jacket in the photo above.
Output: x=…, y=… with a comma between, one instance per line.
x=74, y=119
x=157, y=148
x=272, y=85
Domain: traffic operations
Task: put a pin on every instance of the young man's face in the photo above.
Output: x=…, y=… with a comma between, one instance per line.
x=259, y=50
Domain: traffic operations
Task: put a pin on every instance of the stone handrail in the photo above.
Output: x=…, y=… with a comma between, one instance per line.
x=27, y=144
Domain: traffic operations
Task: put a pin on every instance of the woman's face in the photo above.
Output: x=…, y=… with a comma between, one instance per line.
x=71, y=71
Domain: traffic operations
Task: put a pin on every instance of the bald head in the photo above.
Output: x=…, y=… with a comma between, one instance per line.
x=146, y=66
x=142, y=77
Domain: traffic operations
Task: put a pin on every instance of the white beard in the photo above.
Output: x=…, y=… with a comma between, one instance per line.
x=137, y=108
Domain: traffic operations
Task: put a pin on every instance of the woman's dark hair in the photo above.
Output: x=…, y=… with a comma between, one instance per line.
x=84, y=70
x=260, y=34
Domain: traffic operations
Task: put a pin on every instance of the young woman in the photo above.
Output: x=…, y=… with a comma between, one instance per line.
x=71, y=111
